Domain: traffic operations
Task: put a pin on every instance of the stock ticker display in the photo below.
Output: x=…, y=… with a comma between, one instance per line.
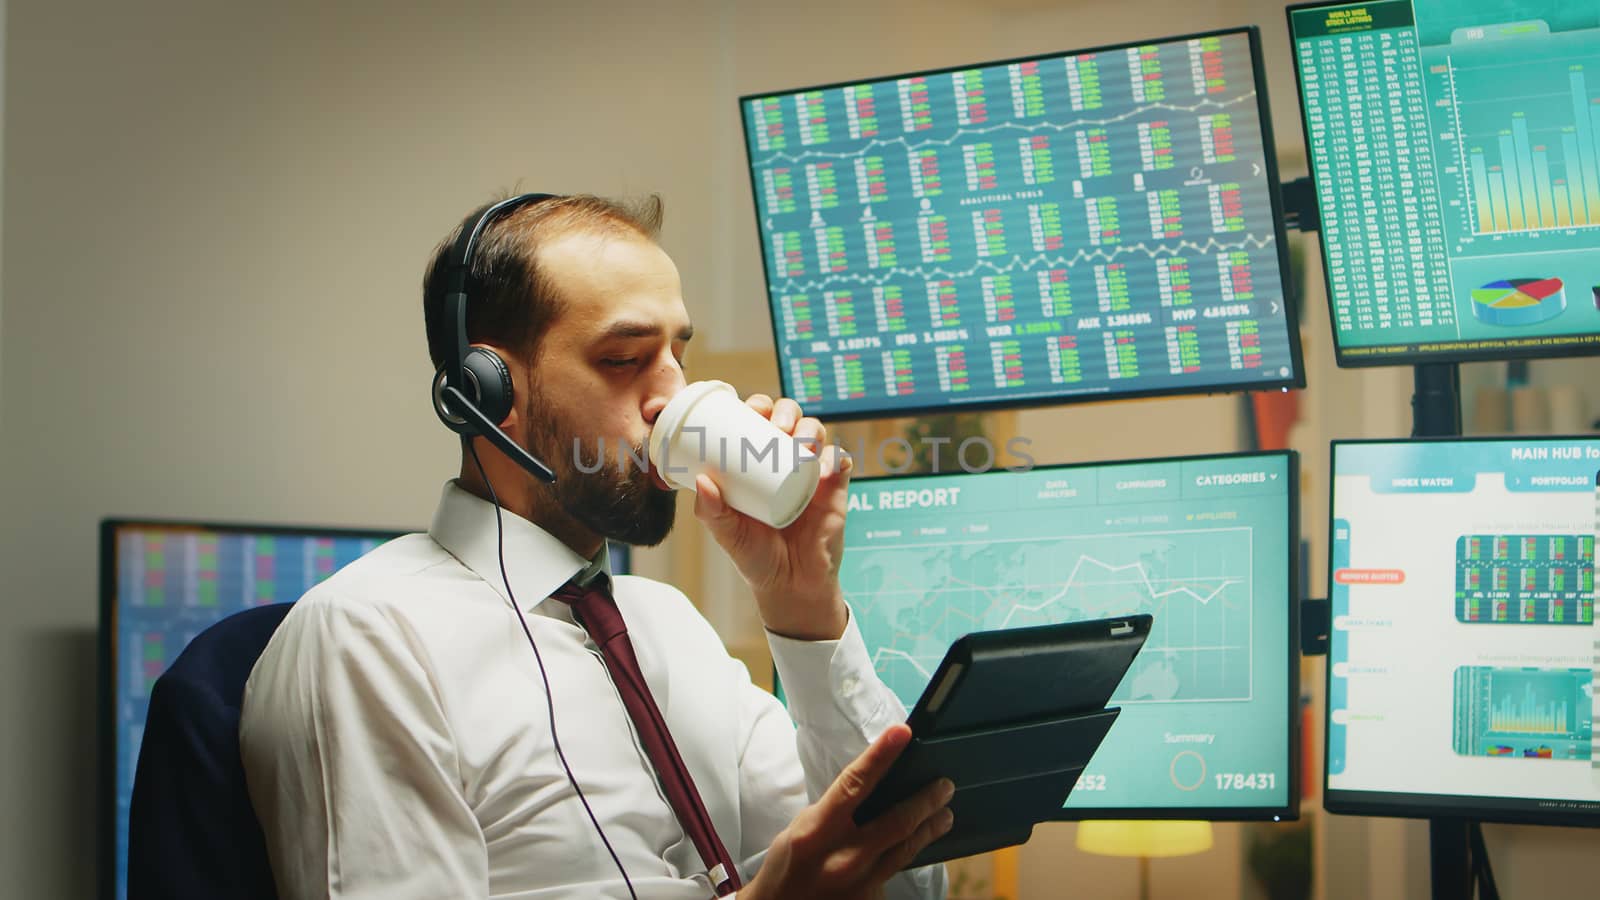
x=169, y=581
x=1456, y=150
x=172, y=582
x=1097, y=223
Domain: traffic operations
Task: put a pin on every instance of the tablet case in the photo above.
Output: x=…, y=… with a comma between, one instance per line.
x=1012, y=717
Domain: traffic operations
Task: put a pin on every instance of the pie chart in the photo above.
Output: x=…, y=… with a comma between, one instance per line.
x=1519, y=301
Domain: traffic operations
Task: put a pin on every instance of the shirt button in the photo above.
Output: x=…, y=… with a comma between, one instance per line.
x=849, y=686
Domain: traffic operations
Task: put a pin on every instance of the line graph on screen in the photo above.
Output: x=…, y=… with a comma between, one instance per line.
x=913, y=600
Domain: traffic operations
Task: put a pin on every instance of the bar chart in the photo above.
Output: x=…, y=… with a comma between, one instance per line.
x=1528, y=714
x=1523, y=713
x=1531, y=148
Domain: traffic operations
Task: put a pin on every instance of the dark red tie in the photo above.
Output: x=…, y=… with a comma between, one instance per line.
x=597, y=612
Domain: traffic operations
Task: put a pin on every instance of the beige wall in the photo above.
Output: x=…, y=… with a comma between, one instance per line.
x=215, y=218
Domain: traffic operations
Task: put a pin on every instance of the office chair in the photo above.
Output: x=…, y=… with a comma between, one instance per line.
x=192, y=832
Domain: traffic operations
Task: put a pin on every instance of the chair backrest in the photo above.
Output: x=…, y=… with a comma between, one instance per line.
x=192, y=832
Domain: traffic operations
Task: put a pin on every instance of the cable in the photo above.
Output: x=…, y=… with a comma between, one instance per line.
x=549, y=699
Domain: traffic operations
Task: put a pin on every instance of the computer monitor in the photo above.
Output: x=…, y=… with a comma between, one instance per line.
x=1455, y=149
x=1205, y=544
x=1078, y=226
x=1463, y=648
x=162, y=583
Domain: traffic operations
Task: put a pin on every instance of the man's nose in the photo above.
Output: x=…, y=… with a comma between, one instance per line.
x=666, y=385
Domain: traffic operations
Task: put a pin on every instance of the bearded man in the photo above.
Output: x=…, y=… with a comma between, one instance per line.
x=484, y=711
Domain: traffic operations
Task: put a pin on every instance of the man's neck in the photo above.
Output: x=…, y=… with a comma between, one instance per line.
x=518, y=494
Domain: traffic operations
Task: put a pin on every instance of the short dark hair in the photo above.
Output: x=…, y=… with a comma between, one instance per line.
x=512, y=299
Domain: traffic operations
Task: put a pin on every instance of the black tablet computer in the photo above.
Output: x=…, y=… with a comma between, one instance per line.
x=1012, y=717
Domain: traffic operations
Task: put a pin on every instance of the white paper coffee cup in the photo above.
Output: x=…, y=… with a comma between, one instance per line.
x=763, y=472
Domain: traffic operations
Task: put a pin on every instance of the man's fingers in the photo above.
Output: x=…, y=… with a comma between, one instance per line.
x=810, y=433
x=863, y=774
x=836, y=461
x=903, y=853
x=904, y=818
x=761, y=403
x=707, y=497
x=711, y=508
x=785, y=415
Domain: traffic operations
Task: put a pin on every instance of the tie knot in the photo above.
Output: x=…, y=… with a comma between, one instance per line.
x=594, y=607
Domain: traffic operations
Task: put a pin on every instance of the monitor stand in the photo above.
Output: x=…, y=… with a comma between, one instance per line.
x=1436, y=412
x=1436, y=400
x=1449, y=861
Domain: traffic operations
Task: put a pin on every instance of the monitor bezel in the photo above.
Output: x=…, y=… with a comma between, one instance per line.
x=1294, y=774
x=1389, y=357
x=1297, y=376
x=107, y=665
x=1394, y=804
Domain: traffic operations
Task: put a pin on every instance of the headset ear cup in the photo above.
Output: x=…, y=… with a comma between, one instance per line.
x=489, y=374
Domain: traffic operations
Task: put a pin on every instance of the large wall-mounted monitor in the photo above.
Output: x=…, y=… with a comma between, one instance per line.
x=1463, y=652
x=1088, y=225
x=1206, y=545
x=1455, y=149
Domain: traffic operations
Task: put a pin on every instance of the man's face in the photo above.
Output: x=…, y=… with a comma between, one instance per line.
x=605, y=369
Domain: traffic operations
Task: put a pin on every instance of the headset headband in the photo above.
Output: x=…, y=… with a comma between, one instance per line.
x=458, y=271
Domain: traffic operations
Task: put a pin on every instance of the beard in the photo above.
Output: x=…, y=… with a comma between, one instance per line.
x=620, y=501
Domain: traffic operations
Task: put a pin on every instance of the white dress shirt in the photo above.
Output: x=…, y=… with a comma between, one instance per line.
x=397, y=743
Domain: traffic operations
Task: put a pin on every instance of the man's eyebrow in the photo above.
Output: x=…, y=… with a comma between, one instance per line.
x=633, y=329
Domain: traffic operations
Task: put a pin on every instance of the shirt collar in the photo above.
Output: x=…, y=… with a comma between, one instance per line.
x=536, y=562
x=598, y=569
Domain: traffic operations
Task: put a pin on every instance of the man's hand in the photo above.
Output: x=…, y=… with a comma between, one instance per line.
x=794, y=572
x=824, y=853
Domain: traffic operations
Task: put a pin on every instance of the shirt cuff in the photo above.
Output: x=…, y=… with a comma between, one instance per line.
x=831, y=686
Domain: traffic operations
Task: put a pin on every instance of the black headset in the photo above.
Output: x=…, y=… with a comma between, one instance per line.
x=472, y=392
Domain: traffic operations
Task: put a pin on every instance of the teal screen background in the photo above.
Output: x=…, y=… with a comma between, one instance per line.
x=1208, y=695
x=1455, y=144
